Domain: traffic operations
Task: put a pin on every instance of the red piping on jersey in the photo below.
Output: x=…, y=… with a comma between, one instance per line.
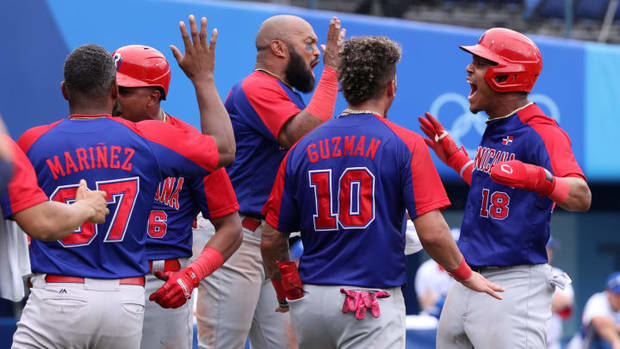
x=32, y=135
x=271, y=210
x=551, y=135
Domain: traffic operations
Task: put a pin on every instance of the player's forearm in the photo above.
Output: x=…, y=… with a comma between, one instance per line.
x=228, y=234
x=579, y=196
x=214, y=119
x=435, y=236
x=274, y=248
x=50, y=220
x=297, y=127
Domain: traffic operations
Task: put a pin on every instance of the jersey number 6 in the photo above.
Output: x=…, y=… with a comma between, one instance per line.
x=120, y=192
x=356, y=199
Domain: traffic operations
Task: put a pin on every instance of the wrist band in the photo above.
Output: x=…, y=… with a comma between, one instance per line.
x=280, y=293
x=323, y=102
x=560, y=191
x=207, y=262
x=463, y=272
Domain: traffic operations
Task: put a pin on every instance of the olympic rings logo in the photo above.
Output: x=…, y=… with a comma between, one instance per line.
x=467, y=121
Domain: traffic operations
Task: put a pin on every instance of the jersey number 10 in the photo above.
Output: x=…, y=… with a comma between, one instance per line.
x=356, y=199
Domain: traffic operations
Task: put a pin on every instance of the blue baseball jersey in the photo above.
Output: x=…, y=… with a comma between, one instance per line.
x=23, y=190
x=504, y=226
x=258, y=107
x=346, y=186
x=125, y=160
x=177, y=202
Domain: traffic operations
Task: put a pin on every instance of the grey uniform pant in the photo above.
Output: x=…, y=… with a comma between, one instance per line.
x=98, y=314
x=166, y=328
x=319, y=322
x=237, y=301
x=471, y=319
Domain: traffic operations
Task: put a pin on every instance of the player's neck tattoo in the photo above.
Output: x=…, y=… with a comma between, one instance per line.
x=349, y=111
x=509, y=114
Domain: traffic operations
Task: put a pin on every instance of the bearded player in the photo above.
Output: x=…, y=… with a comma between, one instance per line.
x=268, y=116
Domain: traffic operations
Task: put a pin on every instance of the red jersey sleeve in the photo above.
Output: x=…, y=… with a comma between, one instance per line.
x=429, y=193
x=23, y=190
x=558, y=145
x=219, y=194
x=422, y=187
x=272, y=104
x=193, y=145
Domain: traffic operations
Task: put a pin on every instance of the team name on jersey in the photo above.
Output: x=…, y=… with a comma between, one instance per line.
x=82, y=159
x=336, y=147
x=168, y=191
x=487, y=157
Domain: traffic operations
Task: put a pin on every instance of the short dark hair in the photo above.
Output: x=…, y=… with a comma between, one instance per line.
x=368, y=64
x=89, y=72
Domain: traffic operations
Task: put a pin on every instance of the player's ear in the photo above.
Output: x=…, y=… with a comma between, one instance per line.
x=278, y=48
x=391, y=88
x=65, y=93
x=114, y=91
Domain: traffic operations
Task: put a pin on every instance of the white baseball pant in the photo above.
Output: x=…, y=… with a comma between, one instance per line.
x=237, y=301
x=97, y=313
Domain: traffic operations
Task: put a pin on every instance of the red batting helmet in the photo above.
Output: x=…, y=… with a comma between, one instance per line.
x=518, y=59
x=141, y=66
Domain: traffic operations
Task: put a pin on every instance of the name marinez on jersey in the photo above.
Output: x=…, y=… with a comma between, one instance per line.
x=487, y=157
x=82, y=159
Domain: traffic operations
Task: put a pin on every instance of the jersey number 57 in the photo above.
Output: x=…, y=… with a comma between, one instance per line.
x=121, y=193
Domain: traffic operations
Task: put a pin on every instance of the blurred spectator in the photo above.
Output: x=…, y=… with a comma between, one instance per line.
x=432, y=283
x=601, y=319
x=389, y=8
x=562, y=303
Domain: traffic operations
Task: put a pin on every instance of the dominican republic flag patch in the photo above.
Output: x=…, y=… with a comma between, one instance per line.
x=507, y=140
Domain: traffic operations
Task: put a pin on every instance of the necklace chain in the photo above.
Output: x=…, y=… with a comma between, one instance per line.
x=511, y=113
x=274, y=75
x=349, y=111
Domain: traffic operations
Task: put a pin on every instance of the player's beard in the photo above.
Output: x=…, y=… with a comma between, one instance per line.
x=297, y=74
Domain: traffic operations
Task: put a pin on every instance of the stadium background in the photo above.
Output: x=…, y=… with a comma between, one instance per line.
x=579, y=86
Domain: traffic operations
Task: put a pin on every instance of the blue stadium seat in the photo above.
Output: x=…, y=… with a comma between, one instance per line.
x=591, y=9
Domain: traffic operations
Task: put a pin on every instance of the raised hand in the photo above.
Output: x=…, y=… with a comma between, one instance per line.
x=335, y=42
x=199, y=59
x=438, y=138
x=96, y=199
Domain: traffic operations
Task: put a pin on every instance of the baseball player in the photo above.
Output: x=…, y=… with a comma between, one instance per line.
x=523, y=167
x=347, y=187
x=88, y=289
x=24, y=202
x=143, y=77
x=601, y=316
x=268, y=116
